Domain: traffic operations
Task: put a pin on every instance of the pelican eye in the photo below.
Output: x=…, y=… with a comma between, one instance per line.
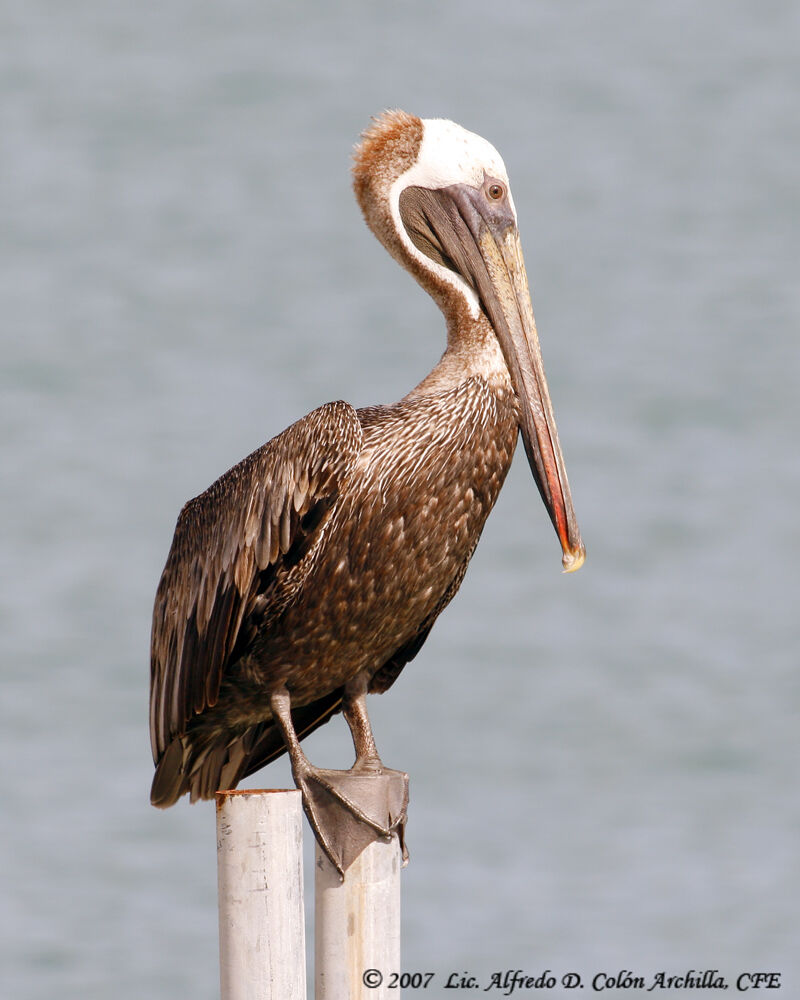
x=495, y=191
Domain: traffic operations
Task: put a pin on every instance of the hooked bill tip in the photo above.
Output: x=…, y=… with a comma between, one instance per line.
x=573, y=558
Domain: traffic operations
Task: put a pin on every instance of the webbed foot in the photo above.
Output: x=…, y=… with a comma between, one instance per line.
x=348, y=810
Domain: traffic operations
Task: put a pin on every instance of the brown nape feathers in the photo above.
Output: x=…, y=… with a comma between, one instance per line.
x=388, y=147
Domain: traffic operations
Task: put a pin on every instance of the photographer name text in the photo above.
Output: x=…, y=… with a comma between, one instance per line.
x=514, y=981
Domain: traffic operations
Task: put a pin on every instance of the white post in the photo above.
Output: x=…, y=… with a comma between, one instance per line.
x=260, y=879
x=357, y=944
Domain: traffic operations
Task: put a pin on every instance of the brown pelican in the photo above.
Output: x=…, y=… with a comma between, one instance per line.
x=309, y=574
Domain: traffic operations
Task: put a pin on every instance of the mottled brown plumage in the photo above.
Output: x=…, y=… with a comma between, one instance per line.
x=240, y=555
x=313, y=571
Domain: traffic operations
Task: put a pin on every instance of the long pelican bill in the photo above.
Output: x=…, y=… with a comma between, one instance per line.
x=462, y=228
x=508, y=302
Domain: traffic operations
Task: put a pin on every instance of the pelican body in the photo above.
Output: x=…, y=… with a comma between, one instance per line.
x=310, y=573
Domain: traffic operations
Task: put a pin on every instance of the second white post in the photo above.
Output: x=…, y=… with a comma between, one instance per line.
x=357, y=924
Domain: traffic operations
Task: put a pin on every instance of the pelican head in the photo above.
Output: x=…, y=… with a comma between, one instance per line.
x=438, y=198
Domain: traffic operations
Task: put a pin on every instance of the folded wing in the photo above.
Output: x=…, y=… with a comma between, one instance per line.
x=265, y=514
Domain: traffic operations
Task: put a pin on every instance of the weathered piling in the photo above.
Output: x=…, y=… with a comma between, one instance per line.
x=357, y=924
x=260, y=883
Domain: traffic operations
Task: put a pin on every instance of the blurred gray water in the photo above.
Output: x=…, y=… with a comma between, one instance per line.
x=603, y=765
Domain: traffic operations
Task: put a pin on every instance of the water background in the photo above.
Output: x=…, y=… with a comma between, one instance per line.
x=604, y=765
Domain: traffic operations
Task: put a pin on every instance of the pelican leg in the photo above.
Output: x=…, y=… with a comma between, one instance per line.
x=395, y=783
x=354, y=709
x=347, y=810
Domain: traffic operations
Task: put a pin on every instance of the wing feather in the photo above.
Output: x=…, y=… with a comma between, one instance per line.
x=243, y=524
